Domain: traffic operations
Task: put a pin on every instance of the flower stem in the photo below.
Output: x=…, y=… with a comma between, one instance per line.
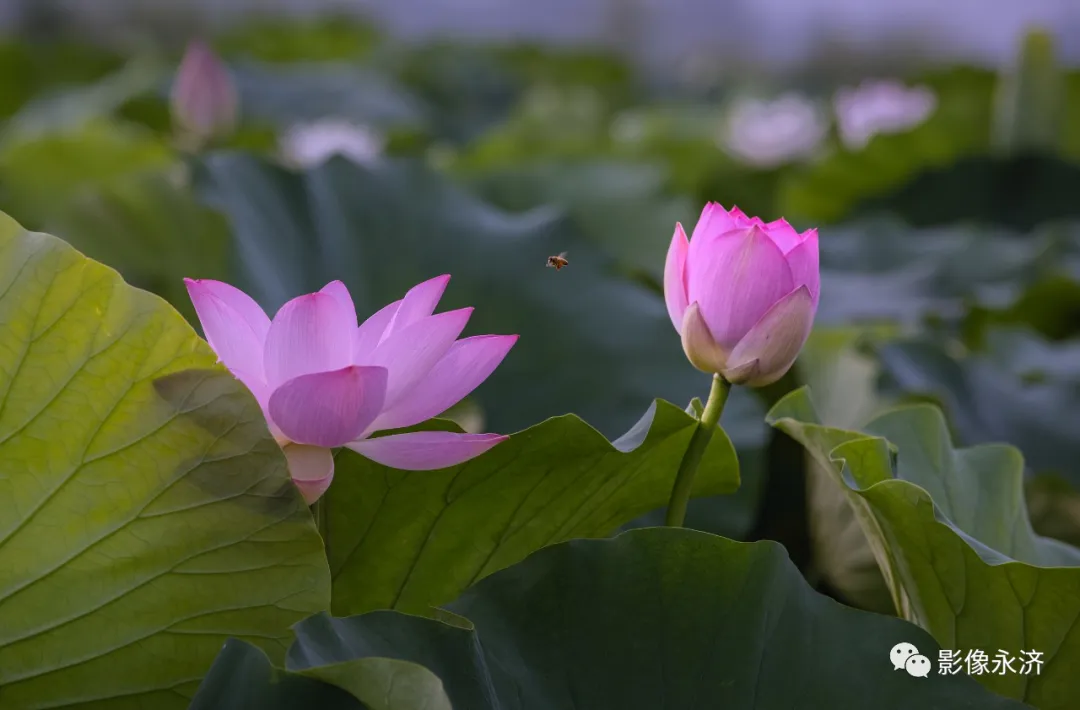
x=684, y=479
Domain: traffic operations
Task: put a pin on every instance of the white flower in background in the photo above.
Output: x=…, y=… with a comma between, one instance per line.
x=629, y=128
x=311, y=144
x=767, y=133
x=884, y=106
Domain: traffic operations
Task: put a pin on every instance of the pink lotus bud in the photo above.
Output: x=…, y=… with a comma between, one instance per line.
x=742, y=293
x=204, y=100
x=324, y=382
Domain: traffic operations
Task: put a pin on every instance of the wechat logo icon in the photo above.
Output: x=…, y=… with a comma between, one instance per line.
x=905, y=656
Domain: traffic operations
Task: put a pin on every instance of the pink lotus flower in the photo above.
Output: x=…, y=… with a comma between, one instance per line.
x=742, y=293
x=323, y=382
x=203, y=100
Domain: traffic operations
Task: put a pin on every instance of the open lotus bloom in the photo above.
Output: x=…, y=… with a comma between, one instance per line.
x=323, y=382
x=742, y=294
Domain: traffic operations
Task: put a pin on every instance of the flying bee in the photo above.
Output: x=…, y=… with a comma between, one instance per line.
x=557, y=262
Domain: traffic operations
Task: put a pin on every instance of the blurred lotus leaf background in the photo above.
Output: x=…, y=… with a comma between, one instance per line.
x=386, y=143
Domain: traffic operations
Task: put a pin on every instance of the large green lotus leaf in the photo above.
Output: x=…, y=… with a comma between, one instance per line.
x=832, y=189
x=151, y=229
x=834, y=363
x=40, y=172
x=952, y=535
x=242, y=678
x=1021, y=389
x=881, y=271
x=413, y=540
x=654, y=618
x=146, y=514
x=606, y=343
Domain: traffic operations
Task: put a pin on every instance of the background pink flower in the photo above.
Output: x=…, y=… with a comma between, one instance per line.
x=324, y=382
x=204, y=99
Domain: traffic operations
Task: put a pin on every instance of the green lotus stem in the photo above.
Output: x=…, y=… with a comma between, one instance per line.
x=684, y=479
x=1030, y=99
